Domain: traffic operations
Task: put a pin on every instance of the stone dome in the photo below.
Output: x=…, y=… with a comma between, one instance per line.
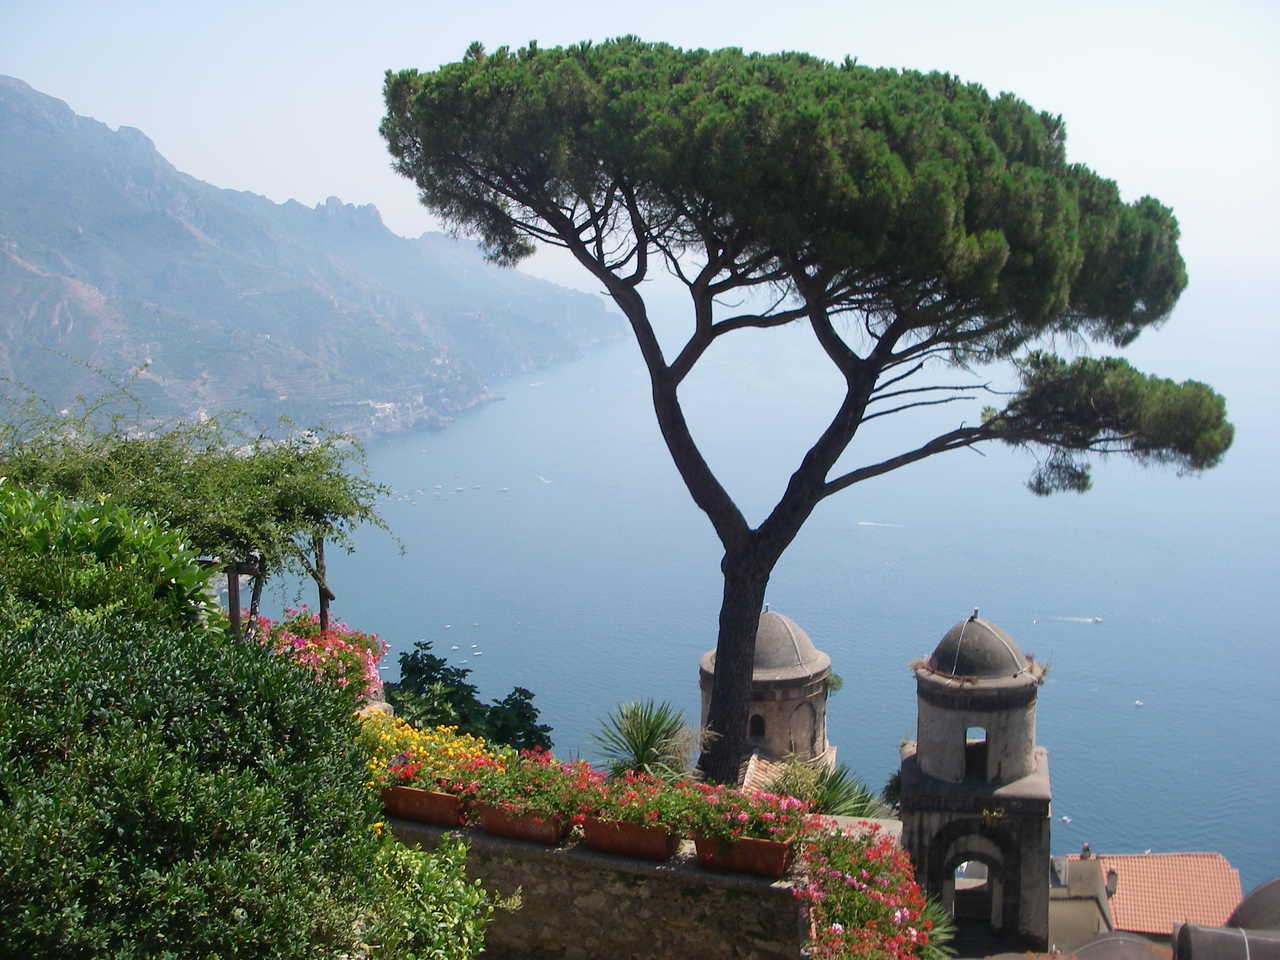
x=783, y=652
x=1260, y=910
x=974, y=648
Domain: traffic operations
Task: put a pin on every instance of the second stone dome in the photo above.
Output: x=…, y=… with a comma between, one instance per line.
x=783, y=651
x=978, y=649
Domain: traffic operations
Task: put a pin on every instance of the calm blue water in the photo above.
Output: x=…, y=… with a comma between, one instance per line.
x=552, y=532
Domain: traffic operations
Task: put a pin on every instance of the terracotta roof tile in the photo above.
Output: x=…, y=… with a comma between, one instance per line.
x=1154, y=891
x=757, y=771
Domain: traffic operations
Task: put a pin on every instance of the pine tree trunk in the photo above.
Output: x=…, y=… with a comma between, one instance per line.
x=726, y=747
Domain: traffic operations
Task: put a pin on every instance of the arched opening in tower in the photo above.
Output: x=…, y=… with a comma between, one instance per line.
x=804, y=731
x=975, y=753
x=974, y=896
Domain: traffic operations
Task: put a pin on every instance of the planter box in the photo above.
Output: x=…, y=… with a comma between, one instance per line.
x=765, y=858
x=640, y=840
x=533, y=827
x=425, y=806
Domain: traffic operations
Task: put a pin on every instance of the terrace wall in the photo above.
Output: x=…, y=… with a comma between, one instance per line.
x=580, y=905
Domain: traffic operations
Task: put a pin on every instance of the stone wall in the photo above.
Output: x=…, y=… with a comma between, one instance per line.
x=579, y=905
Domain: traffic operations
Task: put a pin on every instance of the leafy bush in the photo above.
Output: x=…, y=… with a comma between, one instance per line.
x=167, y=793
x=432, y=693
x=60, y=555
x=533, y=781
x=863, y=900
x=340, y=656
x=438, y=758
x=237, y=494
x=836, y=793
x=430, y=909
x=727, y=813
x=633, y=797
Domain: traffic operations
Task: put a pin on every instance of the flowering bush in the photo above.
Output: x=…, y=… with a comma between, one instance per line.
x=863, y=900
x=634, y=798
x=438, y=758
x=727, y=813
x=533, y=781
x=345, y=657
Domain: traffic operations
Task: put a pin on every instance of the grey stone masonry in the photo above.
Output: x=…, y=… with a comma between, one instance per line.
x=577, y=904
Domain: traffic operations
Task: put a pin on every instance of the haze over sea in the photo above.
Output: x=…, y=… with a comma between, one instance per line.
x=549, y=539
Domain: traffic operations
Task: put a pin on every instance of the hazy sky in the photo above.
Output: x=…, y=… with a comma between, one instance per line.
x=1176, y=99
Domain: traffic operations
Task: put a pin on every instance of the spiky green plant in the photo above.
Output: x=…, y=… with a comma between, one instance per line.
x=836, y=793
x=941, y=933
x=645, y=736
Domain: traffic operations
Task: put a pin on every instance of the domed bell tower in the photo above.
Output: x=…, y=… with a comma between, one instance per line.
x=789, y=683
x=975, y=786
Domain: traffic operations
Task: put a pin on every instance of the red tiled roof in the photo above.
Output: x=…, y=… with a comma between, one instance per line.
x=757, y=771
x=1154, y=891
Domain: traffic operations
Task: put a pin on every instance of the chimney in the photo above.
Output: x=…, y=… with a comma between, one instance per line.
x=1113, y=881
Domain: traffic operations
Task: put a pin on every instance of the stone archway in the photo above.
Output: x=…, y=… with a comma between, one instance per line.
x=804, y=731
x=979, y=902
x=997, y=904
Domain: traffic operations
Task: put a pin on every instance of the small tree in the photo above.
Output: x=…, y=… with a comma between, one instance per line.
x=255, y=503
x=430, y=691
x=909, y=220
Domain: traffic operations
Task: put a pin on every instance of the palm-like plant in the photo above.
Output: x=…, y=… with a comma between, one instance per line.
x=647, y=737
x=941, y=933
x=835, y=793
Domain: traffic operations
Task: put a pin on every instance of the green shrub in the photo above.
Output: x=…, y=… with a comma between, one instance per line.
x=835, y=793
x=167, y=792
x=61, y=555
x=431, y=910
x=172, y=793
x=647, y=737
x=432, y=693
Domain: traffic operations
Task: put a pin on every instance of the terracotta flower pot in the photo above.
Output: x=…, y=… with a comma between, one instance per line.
x=765, y=858
x=533, y=827
x=641, y=840
x=425, y=806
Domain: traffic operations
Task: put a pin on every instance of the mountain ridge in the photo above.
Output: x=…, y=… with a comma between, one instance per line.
x=113, y=262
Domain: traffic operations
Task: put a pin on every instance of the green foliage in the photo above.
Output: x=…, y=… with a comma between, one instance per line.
x=941, y=933
x=235, y=496
x=172, y=793
x=892, y=789
x=834, y=793
x=1105, y=406
x=431, y=910
x=430, y=692
x=896, y=180
x=166, y=792
x=59, y=555
x=339, y=656
x=646, y=737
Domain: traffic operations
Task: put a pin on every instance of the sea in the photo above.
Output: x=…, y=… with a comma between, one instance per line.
x=546, y=541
